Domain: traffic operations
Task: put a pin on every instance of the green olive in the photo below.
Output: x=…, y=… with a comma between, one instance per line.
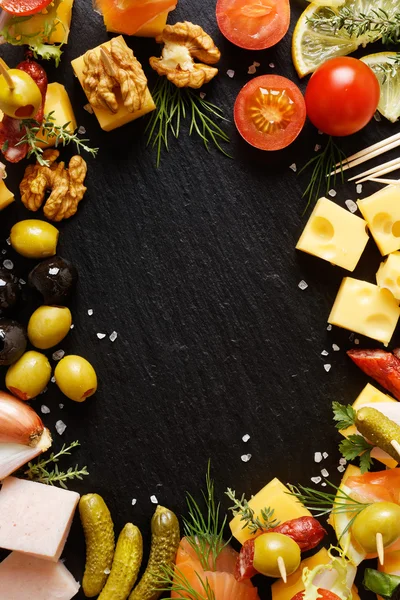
x=28, y=377
x=24, y=100
x=381, y=517
x=269, y=547
x=34, y=239
x=76, y=378
x=48, y=326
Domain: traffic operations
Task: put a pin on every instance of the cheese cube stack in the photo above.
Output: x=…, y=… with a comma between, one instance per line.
x=35, y=518
x=108, y=120
x=24, y=577
x=365, y=309
x=334, y=234
x=276, y=496
x=382, y=213
x=388, y=275
x=6, y=197
x=58, y=103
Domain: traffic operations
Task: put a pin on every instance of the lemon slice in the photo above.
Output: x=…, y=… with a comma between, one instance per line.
x=313, y=44
x=387, y=69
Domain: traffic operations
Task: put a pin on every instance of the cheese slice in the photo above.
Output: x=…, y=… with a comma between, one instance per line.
x=382, y=213
x=275, y=496
x=6, y=197
x=24, y=577
x=388, y=275
x=35, y=518
x=154, y=27
x=334, y=234
x=58, y=103
x=64, y=16
x=365, y=309
x=108, y=120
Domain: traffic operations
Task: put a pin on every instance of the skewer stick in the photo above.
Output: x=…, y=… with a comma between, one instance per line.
x=377, y=170
x=107, y=62
x=358, y=161
x=369, y=149
x=9, y=81
x=282, y=568
x=379, y=548
x=396, y=446
x=384, y=181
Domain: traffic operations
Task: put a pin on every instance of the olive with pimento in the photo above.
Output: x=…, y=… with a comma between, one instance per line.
x=29, y=375
x=76, y=378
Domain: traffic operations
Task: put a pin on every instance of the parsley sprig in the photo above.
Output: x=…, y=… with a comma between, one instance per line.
x=345, y=416
x=39, y=470
x=354, y=445
x=255, y=524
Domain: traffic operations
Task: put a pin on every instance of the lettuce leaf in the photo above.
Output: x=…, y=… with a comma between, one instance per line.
x=340, y=587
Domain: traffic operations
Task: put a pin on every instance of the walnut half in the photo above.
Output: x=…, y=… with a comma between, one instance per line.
x=184, y=42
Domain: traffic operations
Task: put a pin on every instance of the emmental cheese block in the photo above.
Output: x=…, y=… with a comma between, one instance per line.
x=24, y=577
x=59, y=104
x=6, y=197
x=382, y=213
x=108, y=120
x=365, y=309
x=35, y=518
x=388, y=275
x=334, y=234
x=275, y=496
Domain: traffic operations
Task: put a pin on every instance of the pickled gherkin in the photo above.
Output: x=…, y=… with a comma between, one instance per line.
x=379, y=430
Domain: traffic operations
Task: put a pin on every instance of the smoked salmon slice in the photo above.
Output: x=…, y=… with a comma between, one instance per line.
x=382, y=486
x=128, y=16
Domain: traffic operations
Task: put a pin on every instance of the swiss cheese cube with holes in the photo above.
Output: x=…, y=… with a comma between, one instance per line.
x=382, y=213
x=334, y=234
x=275, y=496
x=366, y=309
x=388, y=275
x=6, y=197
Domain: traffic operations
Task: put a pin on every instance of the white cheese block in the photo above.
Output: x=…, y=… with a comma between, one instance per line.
x=24, y=577
x=35, y=518
x=388, y=275
x=382, y=213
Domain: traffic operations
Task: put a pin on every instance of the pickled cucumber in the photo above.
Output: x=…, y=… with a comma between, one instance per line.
x=126, y=564
x=378, y=429
x=164, y=546
x=99, y=536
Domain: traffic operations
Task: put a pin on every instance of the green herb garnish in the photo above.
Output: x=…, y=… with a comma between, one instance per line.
x=39, y=471
x=175, y=581
x=255, y=524
x=357, y=446
x=344, y=416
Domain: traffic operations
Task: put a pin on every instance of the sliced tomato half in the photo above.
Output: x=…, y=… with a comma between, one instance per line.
x=270, y=112
x=24, y=8
x=253, y=24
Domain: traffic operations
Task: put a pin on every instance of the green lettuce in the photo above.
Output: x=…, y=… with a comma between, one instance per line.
x=341, y=565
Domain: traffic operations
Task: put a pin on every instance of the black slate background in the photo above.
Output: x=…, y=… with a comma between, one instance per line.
x=193, y=264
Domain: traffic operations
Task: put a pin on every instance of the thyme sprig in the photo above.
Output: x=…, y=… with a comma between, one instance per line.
x=39, y=471
x=388, y=69
x=242, y=508
x=48, y=128
x=174, y=105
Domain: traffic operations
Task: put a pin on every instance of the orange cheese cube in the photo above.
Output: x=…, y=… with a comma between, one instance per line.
x=6, y=197
x=58, y=103
x=64, y=15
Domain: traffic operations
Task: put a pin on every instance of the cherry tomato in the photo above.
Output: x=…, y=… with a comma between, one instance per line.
x=342, y=96
x=270, y=112
x=253, y=24
x=323, y=595
x=23, y=8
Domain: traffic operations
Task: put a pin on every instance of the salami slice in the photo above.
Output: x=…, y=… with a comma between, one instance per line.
x=307, y=532
x=244, y=564
x=382, y=366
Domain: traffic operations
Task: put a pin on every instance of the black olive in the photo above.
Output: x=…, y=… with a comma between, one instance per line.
x=55, y=279
x=13, y=340
x=10, y=290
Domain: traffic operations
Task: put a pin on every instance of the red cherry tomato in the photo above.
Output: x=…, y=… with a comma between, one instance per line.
x=342, y=96
x=323, y=595
x=253, y=24
x=270, y=112
x=23, y=8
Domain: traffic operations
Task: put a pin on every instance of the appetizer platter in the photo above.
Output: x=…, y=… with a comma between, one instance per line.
x=199, y=300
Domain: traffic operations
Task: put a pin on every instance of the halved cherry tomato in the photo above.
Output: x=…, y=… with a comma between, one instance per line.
x=23, y=8
x=253, y=24
x=323, y=595
x=270, y=112
x=342, y=96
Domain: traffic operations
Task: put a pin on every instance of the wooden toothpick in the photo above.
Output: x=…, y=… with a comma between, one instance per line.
x=9, y=81
x=395, y=443
x=379, y=548
x=282, y=569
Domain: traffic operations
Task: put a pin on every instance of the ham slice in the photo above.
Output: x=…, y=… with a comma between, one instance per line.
x=24, y=577
x=35, y=518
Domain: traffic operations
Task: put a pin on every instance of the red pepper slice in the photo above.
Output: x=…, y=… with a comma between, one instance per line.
x=323, y=595
x=22, y=8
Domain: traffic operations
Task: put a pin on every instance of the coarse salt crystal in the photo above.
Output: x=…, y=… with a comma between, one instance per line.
x=359, y=188
x=53, y=379
x=245, y=438
x=61, y=406
x=8, y=264
x=81, y=130
x=256, y=64
x=4, y=251
x=377, y=117
x=329, y=328
x=293, y=166
x=351, y=337
x=8, y=240
x=316, y=479
x=101, y=336
x=107, y=571
x=54, y=271
x=22, y=281
x=335, y=348
x=341, y=468
x=58, y=354
x=272, y=65
x=153, y=499
x=60, y=427
x=332, y=193
x=317, y=457
x=324, y=353
x=303, y=285
x=90, y=312
x=351, y=205
x=72, y=326
x=342, y=461
x=325, y=455
x=230, y=73
x=134, y=501
x=44, y=390
x=324, y=473
x=202, y=95
x=323, y=484
x=45, y=409
x=113, y=336
x=251, y=70
x=327, y=367
x=245, y=457
x=88, y=108
x=357, y=341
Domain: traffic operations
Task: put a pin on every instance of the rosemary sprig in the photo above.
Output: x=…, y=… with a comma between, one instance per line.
x=242, y=508
x=174, y=105
x=322, y=166
x=204, y=532
x=38, y=471
x=48, y=128
x=175, y=581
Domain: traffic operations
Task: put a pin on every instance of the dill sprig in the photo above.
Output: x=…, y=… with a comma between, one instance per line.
x=175, y=581
x=63, y=137
x=242, y=508
x=323, y=164
x=376, y=24
x=174, y=105
x=204, y=532
x=38, y=471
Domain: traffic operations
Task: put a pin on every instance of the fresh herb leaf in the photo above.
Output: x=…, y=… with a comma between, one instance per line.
x=174, y=105
x=325, y=503
x=38, y=471
x=242, y=508
x=344, y=416
x=382, y=584
x=354, y=446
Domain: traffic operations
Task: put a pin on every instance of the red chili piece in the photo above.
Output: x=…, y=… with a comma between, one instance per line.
x=307, y=532
x=382, y=366
x=323, y=595
x=244, y=563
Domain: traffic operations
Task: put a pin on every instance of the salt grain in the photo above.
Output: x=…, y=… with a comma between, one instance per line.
x=341, y=468
x=246, y=438
x=153, y=499
x=323, y=484
x=342, y=461
x=293, y=166
x=324, y=353
x=272, y=65
x=90, y=312
x=54, y=271
x=332, y=193
x=60, y=427
x=8, y=264
x=81, y=130
x=72, y=326
x=88, y=108
x=230, y=73
x=202, y=95
x=22, y=281
x=327, y=367
x=351, y=205
x=44, y=391
x=317, y=457
x=61, y=406
x=356, y=341
x=58, y=354
x=359, y=188
x=8, y=240
x=134, y=501
x=107, y=571
x=303, y=285
x=351, y=337
x=45, y=409
x=251, y=70
x=113, y=336
x=245, y=457
x=53, y=379
x=317, y=147
x=329, y=328
x=324, y=473
x=101, y=336
x=316, y=479
x=325, y=455
x=377, y=117
x=335, y=348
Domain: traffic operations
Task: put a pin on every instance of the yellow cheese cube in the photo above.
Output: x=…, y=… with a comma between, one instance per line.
x=6, y=197
x=154, y=27
x=38, y=23
x=334, y=234
x=276, y=496
x=108, y=120
x=366, y=309
x=382, y=213
x=58, y=103
x=388, y=275
x=64, y=15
